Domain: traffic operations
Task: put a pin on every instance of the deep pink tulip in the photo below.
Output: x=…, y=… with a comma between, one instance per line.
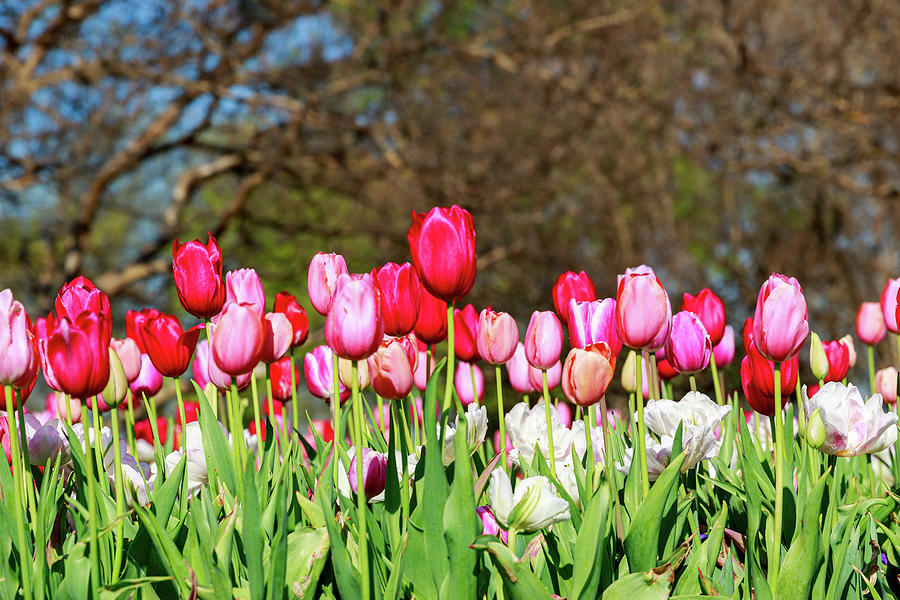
x=200, y=368
x=324, y=271
x=128, y=352
x=723, y=352
x=838, y=354
x=134, y=322
x=543, y=339
x=420, y=377
x=374, y=472
x=592, y=322
x=517, y=368
x=587, y=373
x=563, y=411
x=889, y=305
x=711, y=311
x=81, y=295
x=79, y=354
x=218, y=377
x=469, y=382
x=442, y=244
x=288, y=305
x=489, y=524
x=399, y=285
x=572, y=286
x=18, y=357
x=42, y=328
x=781, y=322
x=638, y=270
x=277, y=336
x=643, y=312
x=318, y=370
x=280, y=372
x=689, y=347
x=355, y=327
x=431, y=323
x=244, y=287
x=169, y=346
x=391, y=370
x=497, y=337
x=870, y=328
x=197, y=268
x=236, y=338
x=465, y=330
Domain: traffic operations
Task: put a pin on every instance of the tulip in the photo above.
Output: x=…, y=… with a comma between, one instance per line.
x=723, y=352
x=870, y=327
x=689, y=347
x=747, y=333
x=587, y=373
x=711, y=311
x=391, y=371
x=517, y=368
x=886, y=384
x=780, y=323
x=847, y=340
x=465, y=331
x=400, y=289
x=134, y=322
x=218, y=376
x=643, y=311
x=280, y=373
x=838, y=356
x=533, y=506
x=199, y=368
x=169, y=346
x=818, y=360
x=42, y=329
x=543, y=340
x=469, y=382
x=46, y=441
x=345, y=373
x=288, y=305
x=277, y=336
x=889, y=305
x=497, y=336
x=374, y=472
x=663, y=367
x=197, y=268
x=554, y=376
x=18, y=356
x=658, y=455
x=354, y=327
x=572, y=286
x=420, y=377
x=476, y=431
x=528, y=429
x=638, y=270
x=852, y=426
x=149, y=381
x=116, y=388
x=442, y=244
x=431, y=323
x=78, y=352
x=758, y=381
x=489, y=525
x=237, y=337
x=197, y=474
x=81, y=295
x=128, y=352
x=324, y=271
x=592, y=322
x=318, y=370
x=629, y=375
x=244, y=287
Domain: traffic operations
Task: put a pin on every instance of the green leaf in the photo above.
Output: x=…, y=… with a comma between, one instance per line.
x=703, y=557
x=435, y=483
x=461, y=522
x=800, y=565
x=652, y=585
x=345, y=574
x=216, y=450
x=307, y=553
x=519, y=583
x=590, y=546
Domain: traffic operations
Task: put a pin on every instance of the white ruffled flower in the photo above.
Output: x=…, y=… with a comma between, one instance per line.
x=476, y=430
x=527, y=429
x=658, y=455
x=852, y=426
x=533, y=506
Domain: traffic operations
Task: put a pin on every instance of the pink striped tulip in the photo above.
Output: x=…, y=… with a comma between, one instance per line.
x=318, y=370
x=244, y=287
x=592, y=322
x=354, y=327
x=324, y=271
x=543, y=339
x=889, y=305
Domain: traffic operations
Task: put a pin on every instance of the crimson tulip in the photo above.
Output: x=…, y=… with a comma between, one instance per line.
x=592, y=322
x=431, y=323
x=442, y=244
x=711, y=311
x=781, y=321
x=400, y=289
x=168, y=345
x=134, y=322
x=236, y=338
x=497, y=336
x=870, y=328
x=689, y=347
x=354, y=326
x=587, y=373
x=571, y=286
x=324, y=271
x=288, y=305
x=197, y=268
x=465, y=332
x=643, y=312
x=543, y=339
x=838, y=360
x=81, y=295
x=280, y=374
x=78, y=352
x=244, y=287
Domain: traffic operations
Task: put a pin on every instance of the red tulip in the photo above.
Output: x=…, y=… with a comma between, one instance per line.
x=781, y=322
x=197, y=268
x=756, y=397
x=760, y=372
x=587, y=373
x=79, y=354
x=134, y=322
x=277, y=336
x=543, y=339
x=236, y=338
x=689, y=347
x=400, y=289
x=838, y=360
x=318, y=369
x=391, y=369
x=711, y=311
x=664, y=368
x=592, y=322
x=288, y=305
x=280, y=373
x=747, y=334
x=723, y=352
x=354, y=327
x=572, y=286
x=168, y=345
x=442, y=244
x=431, y=324
x=465, y=330
x=643, y=312
x=244, y=287
x=149, y=381
x=870, y=328
x=497, y=336
x=324, y=271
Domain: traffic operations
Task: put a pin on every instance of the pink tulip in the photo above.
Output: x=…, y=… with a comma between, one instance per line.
x=643, y=312
x=638, y=270
x=781, y=322
x=374, y=472
x=689, y=347
x=42, y=333
x=324, y=271
x=354, y=327
x=723, y=352
x=199, y=368
x=128, y=352
x=554, y=377
x=223, y=380
x=469, y=382
x=149, y=381
x=564, y=412
x=498, y=336
x=518, y=369
x=420, y=377
x=236, y=337
x=390, y=370
x=543, y=339
x=889, y=305
x=277, y=336
x=318, y=370
x=886, y=384
x=587, y=373
x=870, y=326
x=18, y=359
x=592, y=322
x=244, y=287
x=489, y=524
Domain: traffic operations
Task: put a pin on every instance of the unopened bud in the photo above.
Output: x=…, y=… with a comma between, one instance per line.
x=818, y=360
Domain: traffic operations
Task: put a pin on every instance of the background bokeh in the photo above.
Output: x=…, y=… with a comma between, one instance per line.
x=715, y=141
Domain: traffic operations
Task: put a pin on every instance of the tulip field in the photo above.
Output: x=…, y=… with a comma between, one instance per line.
x=468, y=453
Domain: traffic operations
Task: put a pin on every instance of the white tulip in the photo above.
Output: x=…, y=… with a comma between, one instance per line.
x=476, y=430
x=533, y=506
x=852, y=426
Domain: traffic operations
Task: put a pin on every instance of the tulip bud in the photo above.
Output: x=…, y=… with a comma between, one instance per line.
x=117, y=386
x=345, y=373
x=689, y=346
x=711, y=311
x=587, y=373
x=517, y=368
x=870, y=327
x=391, y=370
x=281, y=378
x=134, y=323
x=169, y=346
x=629, y=372
x=431, y=323
x=543, y=340
x=886, y=384
x=889, y=305
x=815, y=430
x=469, y=382
x=288, y=305
x=149, y=381
x=643, y=312
x=244, y=287
x=197, y=268
x=318, y=371
x=838, y=354
x=592, y=322
x=442, y=244
x=78, y=353
x=847, y=340
x=497, y=337
x=572, y=286
x=374, y=472
x=780, y=323
x=354, y=326
x=324, y=272
x=818, y=360
x=18, y=357
x=277, y=337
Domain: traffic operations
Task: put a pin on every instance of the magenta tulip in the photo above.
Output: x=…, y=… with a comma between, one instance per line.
x=469, y=382
x=870, y=327
x=543, y=339
x=689, y=347
x=723, y=352
x=572, y=286
x=169, y=346
x=781, y=322
x=197, y=268
x=592, y=322
x=318, y=370
x=643, y=312
x=236, y=337
x=497, y=336
x=354, y=327
x=374, y=472
x=324, y=271
x=399, y=285
x=79, y=354
x=889, y=305
x=442, y=244
x=244, y=287
x=199, y=368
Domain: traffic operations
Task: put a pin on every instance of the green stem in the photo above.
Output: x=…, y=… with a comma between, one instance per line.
x=98, y=437
x=654, y=377
x=380, y=406
x=404, y=414
x=448, y=386
x=336, y=414
x=778, y=435
x=715, y=377
x=870, y=353
x=129, y=422
x=25, y=558
x=28, y=480
x=256, y=420
x=501, y=415
x=897, y=410
x=184, y=444
x=234, y=421
x=295, y=405
x=68, y=409
x=120, y=494
x=608, y=458
x=511, y=540
x=589, y=446
x=642, y=429
x=693, y=381
x=362, y=540
x=93, y=517
x=551, y=449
